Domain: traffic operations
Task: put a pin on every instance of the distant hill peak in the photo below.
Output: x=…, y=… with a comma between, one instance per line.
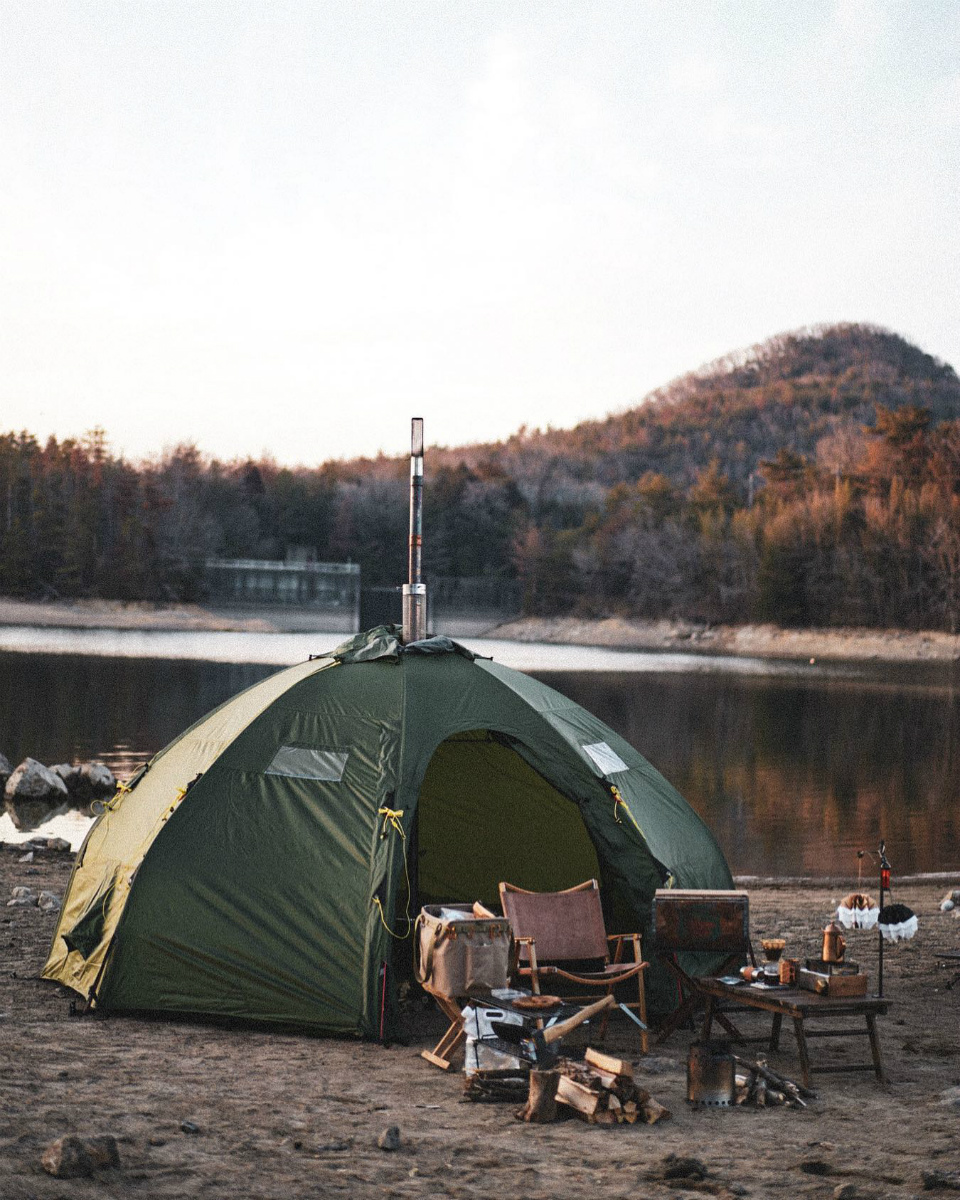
x=817, y=352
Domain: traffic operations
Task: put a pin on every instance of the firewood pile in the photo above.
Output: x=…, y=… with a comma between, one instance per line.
x=600, y=1090
x=757, y=1085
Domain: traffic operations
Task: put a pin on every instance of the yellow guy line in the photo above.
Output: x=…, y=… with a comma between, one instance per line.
x=392, y=818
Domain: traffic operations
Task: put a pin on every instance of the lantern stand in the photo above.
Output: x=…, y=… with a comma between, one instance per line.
x=884, y=887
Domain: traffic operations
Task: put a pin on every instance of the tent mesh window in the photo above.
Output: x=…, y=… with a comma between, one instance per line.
x=606, y=759
x=302, y=762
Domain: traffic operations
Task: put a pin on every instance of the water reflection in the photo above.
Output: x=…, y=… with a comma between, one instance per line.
x=59, y=708
x=792, y=773
x=794, y=776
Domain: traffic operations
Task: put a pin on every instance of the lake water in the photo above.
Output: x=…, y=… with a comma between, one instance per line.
x=794, y=767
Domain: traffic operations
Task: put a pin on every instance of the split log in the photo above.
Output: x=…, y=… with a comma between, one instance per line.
x=604, y=1117
x=601, y=1097
x=607, y=1064
x=651, y=1111
x=542, y=1100
x=578, y=1096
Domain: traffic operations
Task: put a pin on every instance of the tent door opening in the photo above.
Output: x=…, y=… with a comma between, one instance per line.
x=484, y=815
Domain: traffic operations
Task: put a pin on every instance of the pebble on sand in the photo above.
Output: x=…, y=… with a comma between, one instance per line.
x=390, y=1138
x=73, y=1157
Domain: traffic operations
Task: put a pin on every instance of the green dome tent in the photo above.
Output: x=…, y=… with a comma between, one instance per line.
x=259, y=866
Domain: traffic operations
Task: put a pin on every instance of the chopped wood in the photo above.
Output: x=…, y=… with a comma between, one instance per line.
x=604, y=1118
x=608, y=1064
x=577, y=1096
x=601, y=1097
x=652, y=1112
x=495, y=1087
x=608, y=1081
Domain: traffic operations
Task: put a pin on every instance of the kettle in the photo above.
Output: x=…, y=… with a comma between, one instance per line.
x=834, y=943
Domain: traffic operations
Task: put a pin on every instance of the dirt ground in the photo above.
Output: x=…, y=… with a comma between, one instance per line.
x=290, y=1116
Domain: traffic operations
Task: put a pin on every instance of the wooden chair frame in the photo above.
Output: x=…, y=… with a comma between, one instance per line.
x=736, y=947
x=608, y=979
x=442, y=1054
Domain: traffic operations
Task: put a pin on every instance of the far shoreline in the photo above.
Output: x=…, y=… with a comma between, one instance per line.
x=842, y=644
x=756, y=641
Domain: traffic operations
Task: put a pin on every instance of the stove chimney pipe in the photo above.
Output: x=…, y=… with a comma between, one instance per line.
x=415, y=592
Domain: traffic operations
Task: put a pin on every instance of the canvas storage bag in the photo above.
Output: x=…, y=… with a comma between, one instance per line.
x=460, y=953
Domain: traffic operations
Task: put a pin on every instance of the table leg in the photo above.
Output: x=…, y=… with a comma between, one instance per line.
x=729, y=1027
x=707, y=1019
x=802, y=1050
x=875, y=1047
x=775, y=1031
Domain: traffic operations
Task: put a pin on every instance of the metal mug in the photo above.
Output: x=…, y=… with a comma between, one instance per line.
x=788, y=970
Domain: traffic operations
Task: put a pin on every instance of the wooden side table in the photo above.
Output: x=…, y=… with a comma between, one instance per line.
x=803, y=1007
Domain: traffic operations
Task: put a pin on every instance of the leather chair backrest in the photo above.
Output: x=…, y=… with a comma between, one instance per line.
x=566, y=926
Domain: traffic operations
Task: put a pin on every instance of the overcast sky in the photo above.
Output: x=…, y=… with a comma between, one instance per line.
x=289, y=225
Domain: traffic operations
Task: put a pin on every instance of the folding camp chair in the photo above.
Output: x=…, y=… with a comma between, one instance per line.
x=700, y=921
x=561, y=935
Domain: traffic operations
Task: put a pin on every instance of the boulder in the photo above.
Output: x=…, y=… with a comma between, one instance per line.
x=33, y=781
x=69, y=773
x=95, y=781
x=5, y=770
x=39, y=845
x=33, y=794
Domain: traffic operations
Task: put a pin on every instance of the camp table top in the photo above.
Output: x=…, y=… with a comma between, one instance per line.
x=802, y=1006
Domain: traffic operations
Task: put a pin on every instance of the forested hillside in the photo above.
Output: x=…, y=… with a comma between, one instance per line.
x=814, y=479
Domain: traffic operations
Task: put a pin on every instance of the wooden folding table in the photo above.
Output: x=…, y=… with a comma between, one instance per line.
x=803, y=1007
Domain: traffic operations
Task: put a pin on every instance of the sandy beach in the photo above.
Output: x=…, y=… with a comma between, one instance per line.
x=749, y=641
x=289, y=1116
